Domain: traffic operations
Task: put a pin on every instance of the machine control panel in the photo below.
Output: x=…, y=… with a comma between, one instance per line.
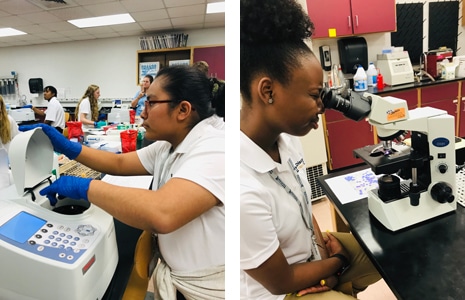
x=60, y=242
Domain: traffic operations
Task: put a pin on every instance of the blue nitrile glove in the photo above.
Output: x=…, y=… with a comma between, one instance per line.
x=27, y=106
x=67, y=186
x=60, y=143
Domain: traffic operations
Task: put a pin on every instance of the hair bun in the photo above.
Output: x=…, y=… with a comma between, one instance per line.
x=274, y=21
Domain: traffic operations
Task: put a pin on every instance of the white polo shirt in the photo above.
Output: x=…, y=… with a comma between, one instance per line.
x=55, y=113
x=84, y=108
x=199, y=158
x=270, y=217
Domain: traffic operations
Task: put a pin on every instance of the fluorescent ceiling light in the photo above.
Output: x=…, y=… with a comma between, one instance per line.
x=215, y=7
x=10, y=32
x=102, y=21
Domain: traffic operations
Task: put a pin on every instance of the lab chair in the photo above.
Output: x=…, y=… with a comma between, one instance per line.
x=139, y=278
x=65, y=130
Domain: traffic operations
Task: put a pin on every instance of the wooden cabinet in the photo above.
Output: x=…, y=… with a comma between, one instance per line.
x=333, y=18
x=461, y=110
x=342, y=137
x=443, y=96
x=411, y=96
x=214, y=56
x=163, y=57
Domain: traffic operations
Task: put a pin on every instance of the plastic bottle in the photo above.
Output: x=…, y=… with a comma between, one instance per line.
x=379, y=81
x=360, y=80
x=340, y=75
x=371, y=75
x=442, y=68
x=334, y=79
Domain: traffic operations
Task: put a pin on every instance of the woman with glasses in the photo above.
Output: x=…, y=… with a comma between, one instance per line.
x=186, y=204
x=285, y=255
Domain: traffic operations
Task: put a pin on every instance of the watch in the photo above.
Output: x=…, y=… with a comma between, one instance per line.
x=345, y=263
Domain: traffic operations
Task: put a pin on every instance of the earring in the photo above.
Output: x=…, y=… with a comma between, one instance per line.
x=270, y=101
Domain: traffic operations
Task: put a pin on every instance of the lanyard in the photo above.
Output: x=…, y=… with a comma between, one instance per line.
x=303, y=212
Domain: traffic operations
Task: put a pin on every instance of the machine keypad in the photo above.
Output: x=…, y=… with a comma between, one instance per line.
x=62, y=243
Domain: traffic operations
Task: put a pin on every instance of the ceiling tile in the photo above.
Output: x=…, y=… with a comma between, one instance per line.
x=186, y=11
x=44, y=24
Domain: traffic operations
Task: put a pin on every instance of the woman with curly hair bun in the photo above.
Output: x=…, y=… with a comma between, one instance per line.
x=284, y=255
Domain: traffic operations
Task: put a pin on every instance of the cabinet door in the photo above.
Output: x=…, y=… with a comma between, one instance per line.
x=214, y=56
x=373, y=16
x=446, y=91
x=330, y=15
x=411, y=96
x=164, y=57
x=348, y=17
x=345, y=136
x=442, y=96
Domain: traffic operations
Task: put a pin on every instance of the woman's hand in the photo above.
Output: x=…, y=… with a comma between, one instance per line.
x=324, y=285
x=334, y=246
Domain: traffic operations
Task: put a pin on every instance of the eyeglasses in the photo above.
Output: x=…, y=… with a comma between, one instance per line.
x=150, y=103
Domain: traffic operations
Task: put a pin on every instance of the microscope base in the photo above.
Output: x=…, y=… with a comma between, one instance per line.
x=399, y=214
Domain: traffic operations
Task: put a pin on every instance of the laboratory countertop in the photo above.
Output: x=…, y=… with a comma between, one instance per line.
x=424, y=261
x=409, y=86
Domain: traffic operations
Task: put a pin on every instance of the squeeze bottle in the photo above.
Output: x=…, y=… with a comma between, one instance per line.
x=360, y=80
x=379, y=81
x=371, y=75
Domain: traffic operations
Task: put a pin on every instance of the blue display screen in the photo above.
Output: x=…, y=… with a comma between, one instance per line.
x=118, y=102
x=21, y=227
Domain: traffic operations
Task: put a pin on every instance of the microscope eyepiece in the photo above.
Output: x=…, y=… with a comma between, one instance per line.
x=353, y=106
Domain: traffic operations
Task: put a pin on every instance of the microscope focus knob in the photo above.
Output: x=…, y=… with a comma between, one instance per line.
x=442, y=168
x=442, y=192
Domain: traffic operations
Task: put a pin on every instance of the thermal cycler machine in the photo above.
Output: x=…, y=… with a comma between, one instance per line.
x=64, y=252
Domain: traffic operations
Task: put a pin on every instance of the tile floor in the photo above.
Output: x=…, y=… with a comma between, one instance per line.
x=322, y=212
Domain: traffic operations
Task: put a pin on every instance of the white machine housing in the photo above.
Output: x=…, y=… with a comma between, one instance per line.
x=22, y=114
x=439, y=127
x=395, y=67
x=118, y=115
x=44, y=254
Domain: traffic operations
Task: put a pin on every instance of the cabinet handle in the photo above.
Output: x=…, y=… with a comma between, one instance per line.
x=349, y=20
x=356, y=20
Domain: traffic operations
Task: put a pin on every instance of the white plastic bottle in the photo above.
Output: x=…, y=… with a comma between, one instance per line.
x=360, y=80
x=372, y=73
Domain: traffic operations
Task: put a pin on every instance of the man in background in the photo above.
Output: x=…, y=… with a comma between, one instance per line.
x=54, y=114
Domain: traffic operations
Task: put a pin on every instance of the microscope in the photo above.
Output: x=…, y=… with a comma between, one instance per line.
x=417, y=180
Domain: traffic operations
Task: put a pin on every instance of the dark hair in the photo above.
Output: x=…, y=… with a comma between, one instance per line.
x=51, y=89
x=190, y=84
x=272, y=40
x=218, y=96
x=150, y=77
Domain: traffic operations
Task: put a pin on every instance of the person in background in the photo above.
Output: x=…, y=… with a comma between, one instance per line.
x=87, y=110
x=54, y=114
x=140, y=97
x=285, y=256
x=202, y=66
x=186, y=206
x=8, y=130
x=8, y=127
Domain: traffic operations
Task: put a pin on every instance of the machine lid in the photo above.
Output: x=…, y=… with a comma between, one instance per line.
x=31, y=159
